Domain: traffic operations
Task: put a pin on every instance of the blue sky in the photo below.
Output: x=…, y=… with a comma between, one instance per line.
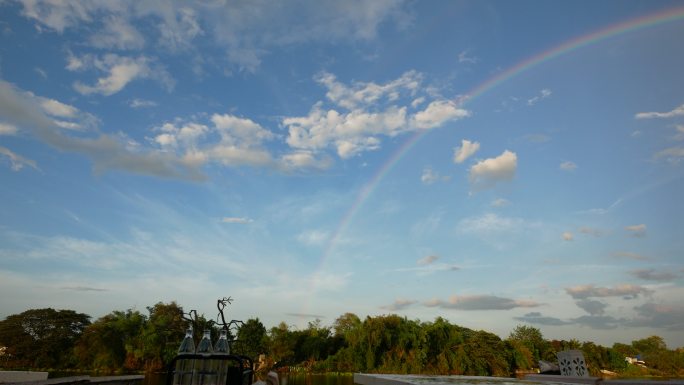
x=450, y=159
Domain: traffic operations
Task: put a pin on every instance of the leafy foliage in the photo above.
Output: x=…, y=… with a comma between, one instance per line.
x=132, y=341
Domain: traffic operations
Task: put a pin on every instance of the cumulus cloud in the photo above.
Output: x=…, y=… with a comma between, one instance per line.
x=637, y=231
x=678, y=111
x=592, y=306
x=487, y=173
x=590, y=291
x=363, y=113
x=653, y=275
x=466, y=150
x=437, y=113
x=480, y=302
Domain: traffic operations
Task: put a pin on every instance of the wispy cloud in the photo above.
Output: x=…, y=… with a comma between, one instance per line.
x=568, y=166
x=399, y=304
x=654, y=275
x=567, y=236
x=629, y=255
x=481, y=302
x=465, y=151
x=464, y=57
x=678, y=111
x=429, y=176
x=591, y=291
x=543, y=94
x=82, y=288
x=237, y=220
x=636, y=231
x=17, y=162
x=427, y=260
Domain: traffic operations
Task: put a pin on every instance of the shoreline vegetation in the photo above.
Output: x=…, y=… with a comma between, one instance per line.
x=123, y=342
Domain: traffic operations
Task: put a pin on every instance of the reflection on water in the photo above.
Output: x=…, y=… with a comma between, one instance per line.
x=285, y=379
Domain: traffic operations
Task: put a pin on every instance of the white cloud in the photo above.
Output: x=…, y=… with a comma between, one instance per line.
x=237, y=220
x=568, y=166
x=487, y=173
x=591, y=231
x=119, y=71
x=299, y=160
x=59, y=109
x=438, y=113
x=466, y=150
x=543, y=94
x=117, y=33
x=142, y=103
x=568, y=236
x=17, y=162
x=240, y=131
x=678, y=111
x=179, y=29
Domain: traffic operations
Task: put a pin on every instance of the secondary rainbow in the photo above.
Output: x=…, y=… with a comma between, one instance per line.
x=654, y=19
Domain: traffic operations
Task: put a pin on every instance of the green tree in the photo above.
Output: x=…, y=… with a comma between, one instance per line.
x=42, y=338
x=533, y=339
x=110, y=343
x=162, y=335
x=251, y=339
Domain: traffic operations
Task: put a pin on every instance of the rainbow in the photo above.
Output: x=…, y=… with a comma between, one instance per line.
x=654, y=19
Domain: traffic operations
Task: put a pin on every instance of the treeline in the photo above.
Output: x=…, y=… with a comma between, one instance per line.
x=130, y=341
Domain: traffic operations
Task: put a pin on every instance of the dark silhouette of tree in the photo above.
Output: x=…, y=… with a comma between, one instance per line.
x=43, y=338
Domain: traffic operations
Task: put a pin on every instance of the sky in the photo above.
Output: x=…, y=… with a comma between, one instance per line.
x=494, y=163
